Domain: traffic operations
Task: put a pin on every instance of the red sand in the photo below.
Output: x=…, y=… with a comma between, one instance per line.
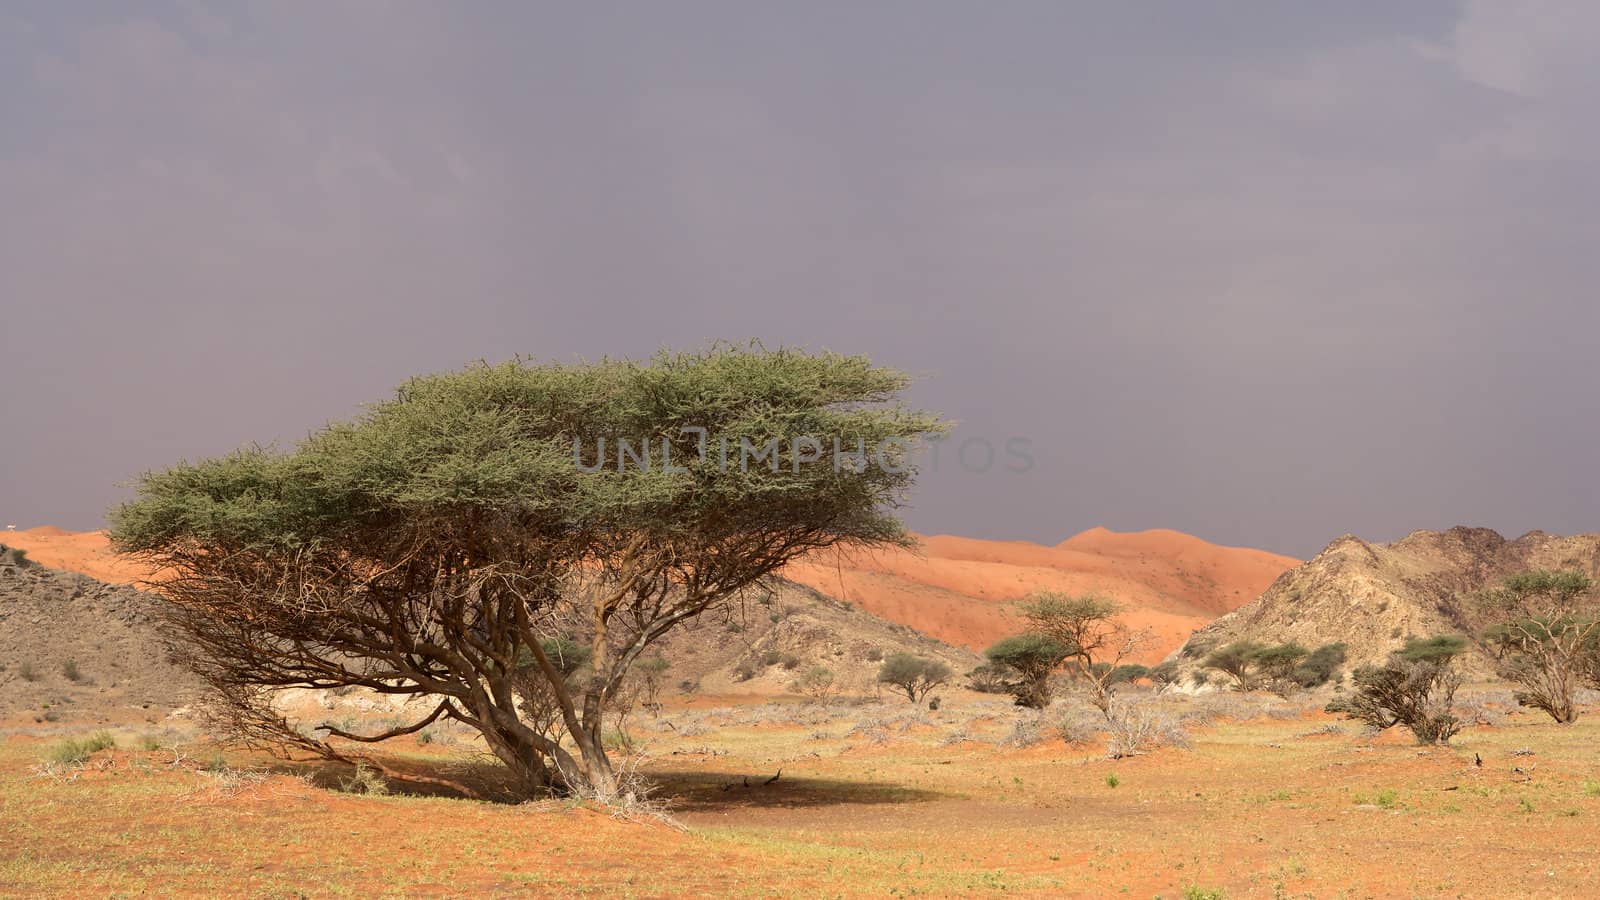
x=959, y=589
x=953, y=588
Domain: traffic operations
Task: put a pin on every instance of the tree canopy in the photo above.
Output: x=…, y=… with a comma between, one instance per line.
x=438, y=543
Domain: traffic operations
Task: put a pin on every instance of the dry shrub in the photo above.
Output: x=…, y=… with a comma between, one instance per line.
x=1025, y=732
x=1078, y=728
x=958, y=736
x=1138, y=728
x=1476, y=710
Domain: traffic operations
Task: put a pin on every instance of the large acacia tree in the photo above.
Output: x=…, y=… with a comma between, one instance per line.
x=465, y=540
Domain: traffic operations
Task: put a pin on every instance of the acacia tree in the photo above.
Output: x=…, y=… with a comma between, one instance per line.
x=1416, y=688
x=1236, y=660
x=1033, y=656
x=1096, y=642
x=913, y=675
x=444, y=544
x=1545, y=639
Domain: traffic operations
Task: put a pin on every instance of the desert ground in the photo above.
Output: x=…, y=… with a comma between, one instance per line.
x=112, y=785
x=876, y=798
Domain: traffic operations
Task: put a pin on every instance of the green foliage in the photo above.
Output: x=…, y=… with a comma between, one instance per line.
x=1128, y=673
x=1237, y=660
x=1437, y=649
x=1280, y=661
x=1112, y=780
x=567, y=656
x=988, y=678
x=1552, y=588
x=1547, y=638
x=429, y=543
x=1163, y=674
x=1416, y=690
x=1320, y=667
x=816, y=682
x=71, y=752
x=913, y=675
x=1032, y=656
x=653, y=665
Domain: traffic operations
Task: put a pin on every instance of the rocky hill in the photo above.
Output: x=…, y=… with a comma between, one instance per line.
x=763, y=645
x=73, y=648
x=1373, y=596
x=76, y=649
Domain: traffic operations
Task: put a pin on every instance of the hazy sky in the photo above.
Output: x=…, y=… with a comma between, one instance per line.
x=1263, y=272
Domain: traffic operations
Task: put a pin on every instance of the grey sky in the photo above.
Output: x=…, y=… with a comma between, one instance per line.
x=1263, y=272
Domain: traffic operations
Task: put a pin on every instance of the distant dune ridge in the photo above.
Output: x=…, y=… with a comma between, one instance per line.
x=958, y=590
x=1373, y=596
x=961, y=590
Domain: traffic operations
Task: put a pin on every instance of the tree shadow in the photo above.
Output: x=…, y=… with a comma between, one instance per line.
x=696, y=791
x=687, y=791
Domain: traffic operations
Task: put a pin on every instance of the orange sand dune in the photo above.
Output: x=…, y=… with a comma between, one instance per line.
x=953, y=588
x=88, y=552
x=959, y=589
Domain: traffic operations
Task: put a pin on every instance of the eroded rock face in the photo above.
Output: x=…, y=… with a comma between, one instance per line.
x=74, y=647
x=1373, y=596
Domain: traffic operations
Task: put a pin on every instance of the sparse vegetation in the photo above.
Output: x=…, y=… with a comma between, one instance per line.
x=988, y=678
x=1031, y=658
x=75, y=752
x=1547, y=638
x=914, y=676
x=1415, y=688
x=816, y=682
x=1096, y=641
x=1236, y=660
x=69, y=671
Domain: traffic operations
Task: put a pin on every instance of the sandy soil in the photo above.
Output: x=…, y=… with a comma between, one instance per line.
x=88, y=552
x=1268, y=804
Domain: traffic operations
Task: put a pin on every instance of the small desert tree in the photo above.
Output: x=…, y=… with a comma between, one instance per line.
x=1416, y=688
x=431, y=547
x=1164, y=674
x=652, y=674
x=1277, y=665
x=913, y=675
x=1545, y=637
x=1320, y=666
x=1237, y=660
x=1032, y=657
x=1095, y=640
x=817, y=682
x=989, y=678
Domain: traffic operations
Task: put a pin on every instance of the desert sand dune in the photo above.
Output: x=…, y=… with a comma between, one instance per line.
x=952, y=588
x=85, y=552
x=959, y=589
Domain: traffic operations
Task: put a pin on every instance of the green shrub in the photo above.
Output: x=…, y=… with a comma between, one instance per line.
x=913, y=675
x=1320, y=667
x=77, y=752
